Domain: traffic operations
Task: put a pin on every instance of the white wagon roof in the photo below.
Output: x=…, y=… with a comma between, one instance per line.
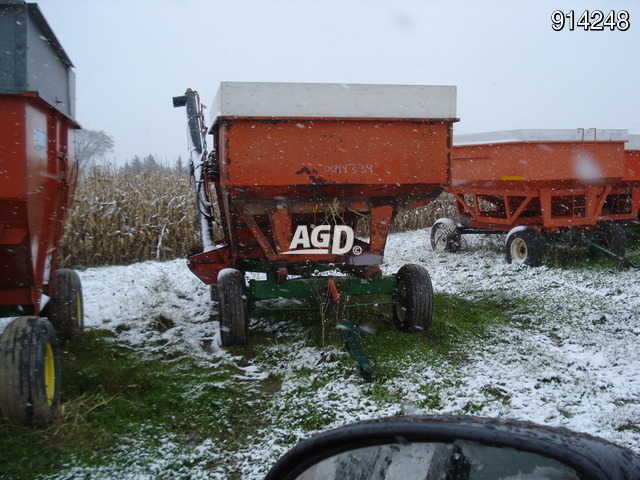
x=542, y=135
x=633, y=143
x=333, y=100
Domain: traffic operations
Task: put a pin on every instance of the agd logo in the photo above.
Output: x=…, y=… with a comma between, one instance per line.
x=335, y=239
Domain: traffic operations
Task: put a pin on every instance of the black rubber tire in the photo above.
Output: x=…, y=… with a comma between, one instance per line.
x=413, y=299
x=65, y=310
x=614, y=238
x=232, y=308
x=524, y=246
x=29, y=371
x=445, y=236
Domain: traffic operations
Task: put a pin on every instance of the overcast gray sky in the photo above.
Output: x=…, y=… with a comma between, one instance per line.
x=511, y=69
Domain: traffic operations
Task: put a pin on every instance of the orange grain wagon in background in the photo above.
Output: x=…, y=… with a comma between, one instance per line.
x=624, y=199
x=536, y=186
x=39, y=303
x=293, y=170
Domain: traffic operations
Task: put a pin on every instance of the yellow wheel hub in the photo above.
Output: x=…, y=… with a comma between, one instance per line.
x=79, y=310
x=49, y=373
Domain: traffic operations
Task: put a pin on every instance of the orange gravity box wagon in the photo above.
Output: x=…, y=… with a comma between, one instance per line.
x=39, y=303
x=292, y=174
x=539, y=186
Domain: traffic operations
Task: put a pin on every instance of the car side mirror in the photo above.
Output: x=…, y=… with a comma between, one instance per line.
x=454, y=448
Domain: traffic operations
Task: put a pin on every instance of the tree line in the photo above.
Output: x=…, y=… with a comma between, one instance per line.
x=150, y=164
x=93, y=146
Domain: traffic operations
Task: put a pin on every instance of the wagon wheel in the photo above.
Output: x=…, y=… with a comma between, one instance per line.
x=413, y=299
x=614, y=237
x=29, y=371
x=445, y=236
x=524, y=246
x=232, y=307
x=65, y=309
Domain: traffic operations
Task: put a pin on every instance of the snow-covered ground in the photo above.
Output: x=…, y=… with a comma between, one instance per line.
x=576, y=364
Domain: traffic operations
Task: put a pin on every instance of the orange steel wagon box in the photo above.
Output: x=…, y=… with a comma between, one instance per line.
x=534, y=183
x=294, y=169
x=38, y=173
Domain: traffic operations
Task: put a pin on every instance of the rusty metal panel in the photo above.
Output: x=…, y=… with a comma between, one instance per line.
x=534, y=159
x=37, y=180
x=348, y=158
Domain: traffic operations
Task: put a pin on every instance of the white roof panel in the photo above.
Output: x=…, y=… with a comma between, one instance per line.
x=633, y=143
x=333, y=100
x=542, y=135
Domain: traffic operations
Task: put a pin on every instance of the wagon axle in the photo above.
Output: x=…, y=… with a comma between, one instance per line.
x=525, y=245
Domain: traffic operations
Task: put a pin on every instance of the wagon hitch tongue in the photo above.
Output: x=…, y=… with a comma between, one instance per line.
x=350, y=336
x=625, y=262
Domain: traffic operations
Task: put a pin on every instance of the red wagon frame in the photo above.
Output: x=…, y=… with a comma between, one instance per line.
x=542, y=182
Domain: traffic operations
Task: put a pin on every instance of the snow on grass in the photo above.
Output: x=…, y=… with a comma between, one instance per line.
x=571, y=356
x=136, y=301
x=577, y=367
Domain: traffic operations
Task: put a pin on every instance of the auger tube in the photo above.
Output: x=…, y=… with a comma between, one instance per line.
x=197, y=159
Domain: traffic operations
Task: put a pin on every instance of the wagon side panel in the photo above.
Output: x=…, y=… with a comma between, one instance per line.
x=344, y=158
x=540, y=183
x=38, y=171
x=16, y=274
x=537, y=165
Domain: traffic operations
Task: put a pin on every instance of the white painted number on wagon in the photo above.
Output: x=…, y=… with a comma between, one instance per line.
x=351, y=168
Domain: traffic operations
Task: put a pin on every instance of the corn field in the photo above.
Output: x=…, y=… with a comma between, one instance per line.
x=425, y=216
x=120, y=217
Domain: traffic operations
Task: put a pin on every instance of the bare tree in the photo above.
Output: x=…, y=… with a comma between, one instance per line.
x=91, y=145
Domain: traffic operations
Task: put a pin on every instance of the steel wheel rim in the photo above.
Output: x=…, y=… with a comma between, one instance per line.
x=440, y=239
x=519, y=250
x=49, y=373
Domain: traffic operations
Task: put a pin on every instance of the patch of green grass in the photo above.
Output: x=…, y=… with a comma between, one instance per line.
x=629, y=427
x=633, y=251
x=111, y=392
x=430, y=392
x=456, y=322
x=474, y=408
x=579, y=255
x=378, y=392
x=457, y=325
x=564, y=412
